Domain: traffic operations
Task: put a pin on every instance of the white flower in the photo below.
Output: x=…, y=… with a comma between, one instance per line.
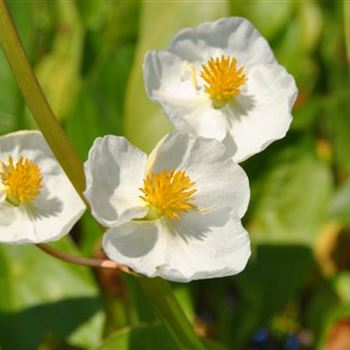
x=37, y=201
x=176, y=213
x=221, y=80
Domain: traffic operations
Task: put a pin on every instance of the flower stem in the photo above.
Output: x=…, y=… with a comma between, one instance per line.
x=346, y=8
x=37, y=102
x=169, y=311
x=78, y=260
x=159, y=291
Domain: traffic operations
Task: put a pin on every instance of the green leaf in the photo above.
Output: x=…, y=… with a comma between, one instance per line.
x=272, y=277
x=291, y=195
x=142, y=337
x=11, y=103
x=58, y=72
x=9, y=98
x=296, y=43
x=336, y=126
x=145, y=123
x=98, y=109
x=311, y=24
x=42, y=296
x=259, y=10
x=37, y=102
x=339, y=208
x=341, y=284
x=346, y=5
x=99, y=104
x=146, y=337
x=322, y=300
x=141, y=310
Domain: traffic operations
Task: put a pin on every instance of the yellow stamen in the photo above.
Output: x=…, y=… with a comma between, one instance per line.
x=23, y=180
x=223, y=79
x=168, y=193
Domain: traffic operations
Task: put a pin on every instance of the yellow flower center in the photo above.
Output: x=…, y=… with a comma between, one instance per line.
x=23, y=180
x=223, y=79
x=168, y=193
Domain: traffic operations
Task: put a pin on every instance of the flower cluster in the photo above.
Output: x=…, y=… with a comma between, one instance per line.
x=175, y=213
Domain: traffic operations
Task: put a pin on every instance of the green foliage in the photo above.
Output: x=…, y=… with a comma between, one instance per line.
x=145, y=337
x=42, y=297
x=88, y=56
x=287, y=174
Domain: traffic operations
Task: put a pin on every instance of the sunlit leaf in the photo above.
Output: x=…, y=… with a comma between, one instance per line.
x=259, y=10
x=58, y=72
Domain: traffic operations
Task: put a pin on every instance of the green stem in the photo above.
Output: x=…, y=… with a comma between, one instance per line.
x=346, y=8
x=170, y=312
x=37, y=102
x=159, y=291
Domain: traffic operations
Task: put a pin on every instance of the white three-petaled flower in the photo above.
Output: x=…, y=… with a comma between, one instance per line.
x=37, y=201
x=176, y=213
x=221, y=80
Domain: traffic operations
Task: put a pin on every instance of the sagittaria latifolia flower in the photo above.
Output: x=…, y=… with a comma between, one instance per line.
x=175, y=213
x=221, y=80
x=37, y=201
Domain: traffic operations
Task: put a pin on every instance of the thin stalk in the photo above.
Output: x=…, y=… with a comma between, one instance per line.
x=79, y=260
x=346, y=8
x=159, y=291
x=170, y=312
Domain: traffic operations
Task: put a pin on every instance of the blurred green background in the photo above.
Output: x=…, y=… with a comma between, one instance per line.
x=295, y=292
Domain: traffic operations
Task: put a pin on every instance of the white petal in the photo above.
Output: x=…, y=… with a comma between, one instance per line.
x=218, y=180
x=263, y=114
x=233, y=36
x=201, y=246
x=54, y=212
x=16, y=227
x=2, y=193
x=169, y=81
x=114, y=173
